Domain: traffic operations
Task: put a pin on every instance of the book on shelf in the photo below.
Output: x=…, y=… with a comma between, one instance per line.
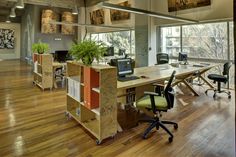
x=74, y=87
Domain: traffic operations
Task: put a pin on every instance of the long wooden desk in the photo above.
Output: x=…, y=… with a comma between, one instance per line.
x=159, y=73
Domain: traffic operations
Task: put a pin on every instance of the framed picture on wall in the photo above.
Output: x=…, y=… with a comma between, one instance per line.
x=67, y=17
x=97, y=17
x=117, y=15
x=175, y=5
x=47, y=17
x=7, y=39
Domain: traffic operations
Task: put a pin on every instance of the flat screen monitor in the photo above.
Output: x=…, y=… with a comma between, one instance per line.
x=61, y=55
x=121, y=52
x=124, y=67
x=183, y=57
x=109, y=52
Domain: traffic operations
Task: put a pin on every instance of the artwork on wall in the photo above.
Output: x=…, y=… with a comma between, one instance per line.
x=67, y=17
x=48, y=16
x=175, y=5
x=97, y=17
x=117, y=15
x=7, y=39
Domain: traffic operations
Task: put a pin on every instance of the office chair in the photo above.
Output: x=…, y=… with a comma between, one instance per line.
x=162, y=58
x=153, y=104
x=220, y=78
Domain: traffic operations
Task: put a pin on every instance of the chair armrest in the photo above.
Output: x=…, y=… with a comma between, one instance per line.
x=157, y=84
x=151, y=93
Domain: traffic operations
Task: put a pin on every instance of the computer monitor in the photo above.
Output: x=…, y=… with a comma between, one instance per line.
x=183, y=57
x=113, y=62
x=124, y=67
x=121, y=52
x=109, y=52
x=61, y=55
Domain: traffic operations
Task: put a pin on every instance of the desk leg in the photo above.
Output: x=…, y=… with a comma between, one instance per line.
x=207, y=82
x=190, y=87
x=54, y=79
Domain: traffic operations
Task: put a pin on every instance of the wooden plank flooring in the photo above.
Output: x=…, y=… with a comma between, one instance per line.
x=33, y=123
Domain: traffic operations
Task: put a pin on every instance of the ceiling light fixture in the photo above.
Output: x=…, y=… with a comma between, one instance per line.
x=145, y=12
x=20, y=4
x=75, y=10
x=8, y=20
x=12, y=13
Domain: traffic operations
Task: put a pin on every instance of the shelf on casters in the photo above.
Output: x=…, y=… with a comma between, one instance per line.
x=96, y=89
x=73, y=97
x=74, y=78
x=38, y=74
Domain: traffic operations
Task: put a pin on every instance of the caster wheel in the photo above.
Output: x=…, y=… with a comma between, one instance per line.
x=144, y=136
x=157, y=127
x=229, y=96
x=176, y=126
x=170, y=139
x=206, y=92
x=98, y=142
x=214, y=96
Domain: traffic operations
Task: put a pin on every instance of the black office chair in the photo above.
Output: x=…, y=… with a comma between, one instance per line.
x=162, y=58
x=220, y=78
x=153, y=104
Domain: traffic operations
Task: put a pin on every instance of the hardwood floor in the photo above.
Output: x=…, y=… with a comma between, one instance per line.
x=33, y=123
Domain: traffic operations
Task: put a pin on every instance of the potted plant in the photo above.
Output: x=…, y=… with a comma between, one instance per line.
x=87, y=51
x=40, y=48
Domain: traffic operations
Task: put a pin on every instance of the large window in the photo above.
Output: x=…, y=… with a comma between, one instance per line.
x=170, y=42
x=205, y=40
x=119, y=40
x=213, y=42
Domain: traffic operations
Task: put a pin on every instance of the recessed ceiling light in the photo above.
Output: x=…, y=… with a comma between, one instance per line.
x=20, y=4
x=12, y=13
x=75, y=10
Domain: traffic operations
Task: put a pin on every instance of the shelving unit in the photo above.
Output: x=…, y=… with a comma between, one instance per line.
x=98, y=86
x=43, y=70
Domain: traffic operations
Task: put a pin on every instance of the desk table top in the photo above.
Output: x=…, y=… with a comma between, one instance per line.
x=161, y=72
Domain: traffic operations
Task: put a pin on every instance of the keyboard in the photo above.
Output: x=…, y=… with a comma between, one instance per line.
x=127, y=78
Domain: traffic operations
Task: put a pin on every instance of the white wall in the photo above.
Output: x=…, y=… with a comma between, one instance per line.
x=12, y=53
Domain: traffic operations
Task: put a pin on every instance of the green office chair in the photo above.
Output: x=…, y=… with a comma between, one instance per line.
x=154, y=103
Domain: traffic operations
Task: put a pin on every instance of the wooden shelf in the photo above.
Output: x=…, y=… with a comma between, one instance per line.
x=43, y=70
x=38, y=74
x=96, y=90
x=92, y=79
x=72, y=97
x=96, y=111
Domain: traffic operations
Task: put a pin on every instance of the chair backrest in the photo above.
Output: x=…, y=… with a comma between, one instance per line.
x=162, y=58
x=169, y=91
x=226, y=68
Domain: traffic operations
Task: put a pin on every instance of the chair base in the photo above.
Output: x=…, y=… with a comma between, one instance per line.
x=217, y=91
x=155, y=122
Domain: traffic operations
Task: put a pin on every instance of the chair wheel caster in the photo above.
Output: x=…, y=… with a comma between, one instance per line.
x=229, y=96
x=175, y=126
x=170, y=139
x=214, y=96
x=206, y=92
x=98, y=142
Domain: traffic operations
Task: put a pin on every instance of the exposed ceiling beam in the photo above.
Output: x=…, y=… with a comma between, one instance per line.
x=60, y=3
